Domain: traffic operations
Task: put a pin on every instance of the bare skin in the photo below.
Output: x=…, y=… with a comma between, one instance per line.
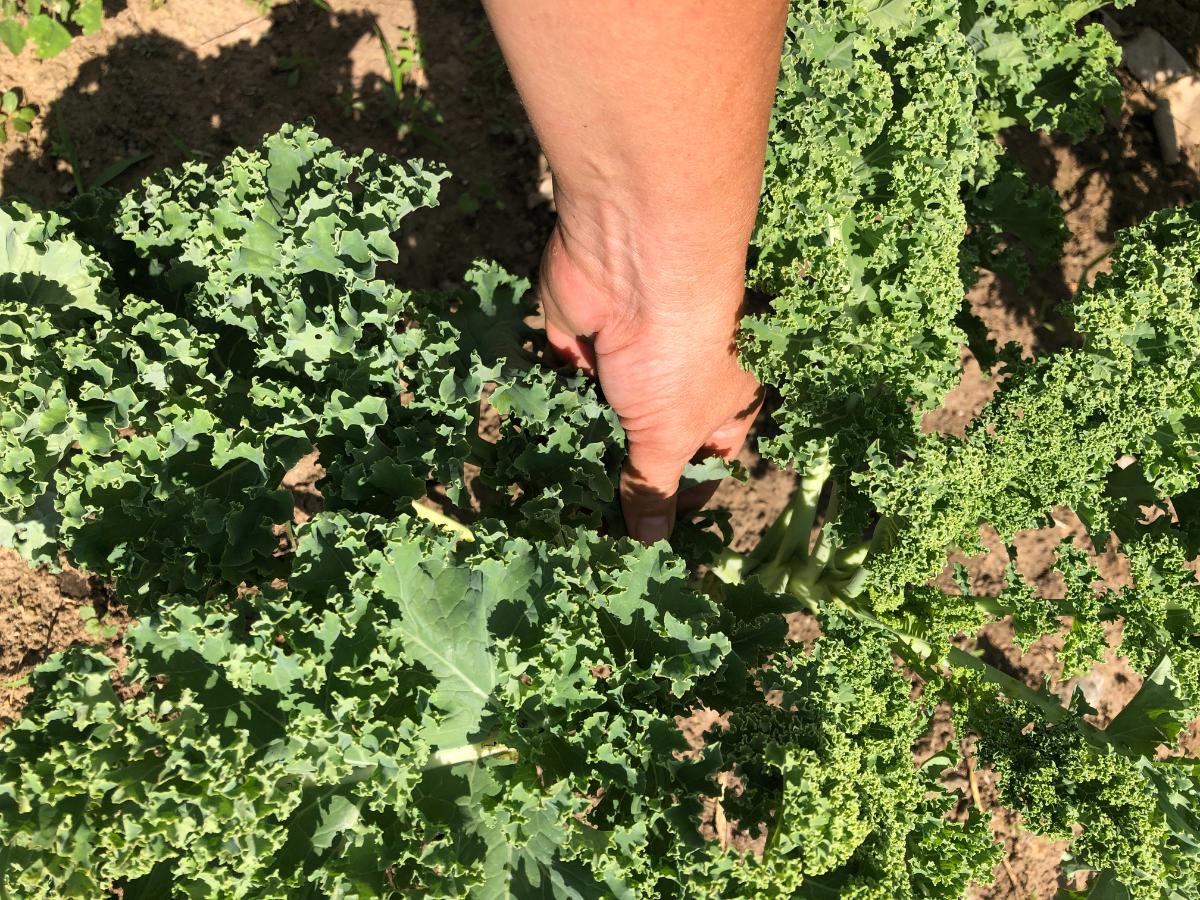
x=653, y=116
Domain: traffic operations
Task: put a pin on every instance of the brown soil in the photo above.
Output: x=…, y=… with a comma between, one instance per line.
x=42, y=613
x=195, y=80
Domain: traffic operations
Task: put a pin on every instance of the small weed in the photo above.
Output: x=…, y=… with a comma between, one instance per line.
x=350, y=104
x=16, y=117
x=294, y=67
x=413, y=110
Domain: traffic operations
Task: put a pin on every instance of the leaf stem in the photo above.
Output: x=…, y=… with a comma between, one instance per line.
x=1047, y=705
x=453, y=756
x=442, y=520
x=802, y=511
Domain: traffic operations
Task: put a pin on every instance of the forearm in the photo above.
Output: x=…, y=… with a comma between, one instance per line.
x=653, y=116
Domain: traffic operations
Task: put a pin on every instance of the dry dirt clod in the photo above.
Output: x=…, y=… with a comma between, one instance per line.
x=1169, y=78
x=74, y=584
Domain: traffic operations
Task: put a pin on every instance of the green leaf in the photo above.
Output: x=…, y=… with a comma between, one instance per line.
x=49, y=35
x=337, y=815
x=490, y=319
x=1153, y=716
x=13, y=35
x=1104, y=886
x=37, y=264
x=891, y=15
x=88, y=15
x=711, y=468
x=117, y=169
x=444, y=624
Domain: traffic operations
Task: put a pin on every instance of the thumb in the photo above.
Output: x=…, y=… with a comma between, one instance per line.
x=649, y=482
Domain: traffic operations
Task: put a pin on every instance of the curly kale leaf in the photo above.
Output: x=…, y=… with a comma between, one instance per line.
x=150, y=415
x=884, y=132
x=1138, y=827
x=312, y=737
x=1057, y=430
x=827, y=771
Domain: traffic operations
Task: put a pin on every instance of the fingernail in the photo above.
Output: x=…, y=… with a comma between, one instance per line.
x=653, y=528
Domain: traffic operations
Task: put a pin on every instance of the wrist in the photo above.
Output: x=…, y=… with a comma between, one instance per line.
x=644, y=266
x=610, y=301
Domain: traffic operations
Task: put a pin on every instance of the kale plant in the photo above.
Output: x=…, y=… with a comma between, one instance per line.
x=385, y=698
x=459, y=678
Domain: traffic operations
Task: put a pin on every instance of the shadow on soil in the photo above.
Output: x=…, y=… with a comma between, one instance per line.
x=151, y=94
x=1116, y=179
x=1124, y=165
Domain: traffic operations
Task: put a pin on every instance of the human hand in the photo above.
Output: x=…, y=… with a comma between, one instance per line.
x=654, y=121
x=658, y=332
